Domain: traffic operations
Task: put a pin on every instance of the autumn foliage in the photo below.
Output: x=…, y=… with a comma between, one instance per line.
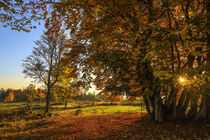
x=137, y=48
x=115, y=98
x=10, y=96
x=141, y=48
x=42, y=95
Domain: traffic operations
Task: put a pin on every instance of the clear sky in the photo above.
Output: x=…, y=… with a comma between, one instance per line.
x=14, y=47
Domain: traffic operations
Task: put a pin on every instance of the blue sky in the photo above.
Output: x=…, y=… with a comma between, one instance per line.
x=14, y=47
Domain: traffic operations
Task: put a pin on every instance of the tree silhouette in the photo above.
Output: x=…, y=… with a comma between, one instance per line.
x=44, y=64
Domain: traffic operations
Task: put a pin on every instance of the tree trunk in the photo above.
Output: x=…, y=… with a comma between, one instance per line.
x=170, y=97
x=186, y=103
x=202, y=113
x=152, y=105
x=47, y=101
x=181, y=101
x=193, y=108
x=29, y=106
x=174, y=105
x=208, y=61
x=149, y=113
x=158, y=107
x=66, y=104
x=208, y=108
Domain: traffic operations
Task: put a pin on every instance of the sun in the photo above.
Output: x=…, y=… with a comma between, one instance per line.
x=181, y=79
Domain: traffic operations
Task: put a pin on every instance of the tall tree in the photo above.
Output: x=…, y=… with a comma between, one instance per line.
x=44, y=64
x=141, y=48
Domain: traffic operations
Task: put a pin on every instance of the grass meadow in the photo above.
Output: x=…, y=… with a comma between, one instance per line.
x=90, y=121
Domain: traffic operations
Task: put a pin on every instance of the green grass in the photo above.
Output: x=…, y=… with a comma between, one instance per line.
x=103, y=109
x=11, y=106
x=98, y=109
x=13, y=126
x=16, y=125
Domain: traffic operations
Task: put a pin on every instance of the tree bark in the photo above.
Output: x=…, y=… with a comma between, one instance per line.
x=149, y=113
x=208, y=61
x=66, y=104
x=202, y=112
x=158, y=103
x=158, y=109
x=47, y=101
x=208, y=108
x=193, y=108
x=181, y=101
x=174, y=105
x=170, y=97
x=186, y=103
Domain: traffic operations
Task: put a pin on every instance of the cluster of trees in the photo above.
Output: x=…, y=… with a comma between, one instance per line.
x=32, y=94
x=4, y=93
x=29, y=94
x=137, y=48
x=89, y=98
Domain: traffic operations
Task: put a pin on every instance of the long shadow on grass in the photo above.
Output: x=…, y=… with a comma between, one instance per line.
x=106, y=104
x=86, y=106
x=68, y=108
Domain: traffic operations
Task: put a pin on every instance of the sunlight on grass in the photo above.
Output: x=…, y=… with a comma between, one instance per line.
x=8, y=106
x=98, y=110
x=92, y=120
x=30, y=123
x=85, y=109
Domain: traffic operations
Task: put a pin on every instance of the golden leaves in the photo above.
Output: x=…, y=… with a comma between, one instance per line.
x=10, y=97
x=42, y=95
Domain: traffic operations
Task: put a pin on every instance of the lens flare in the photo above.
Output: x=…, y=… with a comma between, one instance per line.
x=181, y=80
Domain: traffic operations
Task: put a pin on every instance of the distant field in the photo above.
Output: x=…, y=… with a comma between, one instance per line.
x=98, y=109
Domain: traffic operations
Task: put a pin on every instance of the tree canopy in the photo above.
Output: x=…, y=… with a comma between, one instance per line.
x=22, y=14
x=142, y=48
x=136, y=48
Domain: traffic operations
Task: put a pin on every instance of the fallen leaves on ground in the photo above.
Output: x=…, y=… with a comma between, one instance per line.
x=114, y=127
